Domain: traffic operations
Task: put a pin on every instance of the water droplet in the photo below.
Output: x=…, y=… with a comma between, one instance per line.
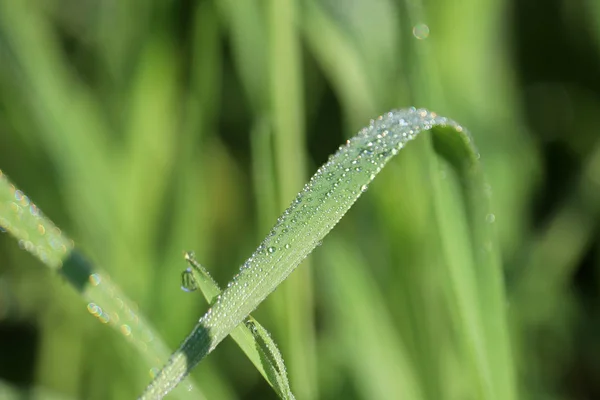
x=153, y=372
x=271, y=249
x=188, y=282
x=125, y=329
x=287, y=246
x=490, y=218
x=93, y=308
x=421, y=31
x=95, y=279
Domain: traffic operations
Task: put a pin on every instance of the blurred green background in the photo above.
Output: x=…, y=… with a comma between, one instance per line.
x=145, y=128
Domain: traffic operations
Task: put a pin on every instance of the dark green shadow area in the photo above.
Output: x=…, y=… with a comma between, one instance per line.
x=77, y=270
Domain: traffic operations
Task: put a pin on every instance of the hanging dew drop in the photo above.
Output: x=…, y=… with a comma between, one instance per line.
x=188, y=282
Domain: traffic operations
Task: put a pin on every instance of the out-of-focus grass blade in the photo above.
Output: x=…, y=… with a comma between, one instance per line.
x=594, y=12
x=148, y=156
x=188, y=197
x=340, y=61
x=9, y=392
x=476, y=84
x=39, y=236
x=555, y=253
x=477, y=290
x=263, y=174
x=252, y=338
x=248, y=38
x=323, y=202
x=296, y=311
x=70, y=122
x=540, y=289
x=379, y=362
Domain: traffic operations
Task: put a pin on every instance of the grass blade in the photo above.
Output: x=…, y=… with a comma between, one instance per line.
x=316, y=210
x=10, y=392
x=39, y=236
x=374, y=341
x=252, y=337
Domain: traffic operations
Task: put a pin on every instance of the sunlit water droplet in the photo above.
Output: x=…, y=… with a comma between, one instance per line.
x=421, y=31
x=125, y=330
x=188, y=282
x=95, y=279
x=153, y=372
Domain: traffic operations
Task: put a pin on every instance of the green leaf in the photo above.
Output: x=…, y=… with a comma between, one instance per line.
x=321, y=204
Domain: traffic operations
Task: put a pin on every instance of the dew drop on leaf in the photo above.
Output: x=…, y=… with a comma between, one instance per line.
x=421, y=31
x=188, y=282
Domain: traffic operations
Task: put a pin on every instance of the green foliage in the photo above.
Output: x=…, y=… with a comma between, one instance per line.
x=144, y=128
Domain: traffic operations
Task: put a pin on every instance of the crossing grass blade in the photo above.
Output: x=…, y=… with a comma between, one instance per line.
x=318, y=208
x=254, y=340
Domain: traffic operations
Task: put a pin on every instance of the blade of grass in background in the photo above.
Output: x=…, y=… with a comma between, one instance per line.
x=340, y=62
x=296, y=298
x=186, y=196
x=247, y=27
x=9, y=392
x=594, y=9
x=372, y=342
x=263, y=174
x=471, y=63
x=540, y=295
x=64, y=110
x=39, y=236
x=322, y=203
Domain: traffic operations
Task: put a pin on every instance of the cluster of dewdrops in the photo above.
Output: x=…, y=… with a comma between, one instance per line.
x=321, y=204
x=38, y=235
x=25, y=221
x=118, y=313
